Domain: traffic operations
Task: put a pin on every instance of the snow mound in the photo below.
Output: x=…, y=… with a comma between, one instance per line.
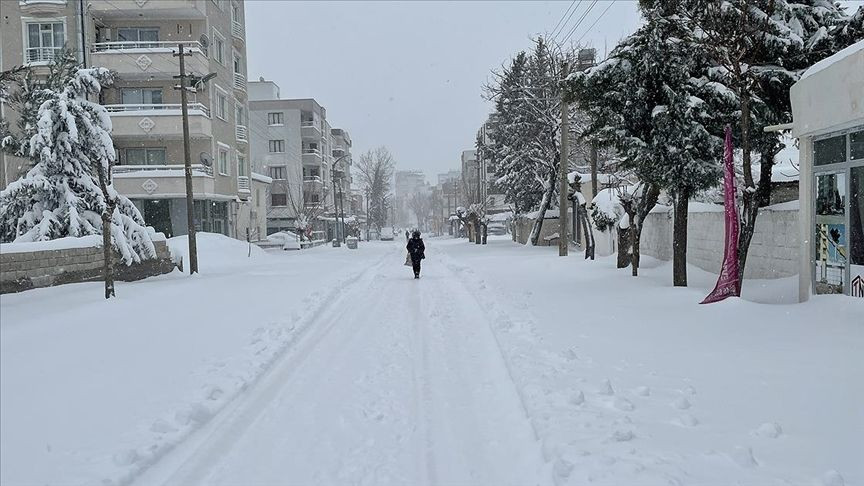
x=215, y=251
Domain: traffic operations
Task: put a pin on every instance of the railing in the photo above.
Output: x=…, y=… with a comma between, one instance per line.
x=242, y=133
x=24, y=3
x=239, y=82
x=133, y=109
x=237, y=29
x=311, y=151
x=313, y=204
x=127, y=45
x=312, y=179
x=41, y=54
x=307, y=123
x=243, y=183
x=125, y=169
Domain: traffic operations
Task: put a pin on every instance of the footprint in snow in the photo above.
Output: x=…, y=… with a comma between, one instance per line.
x=606, y=388
x=624, y=404
x=743, y=456
x=623, y=435
x=642, y=391
x=770, y=430
x=682, y=403
x=688, y=420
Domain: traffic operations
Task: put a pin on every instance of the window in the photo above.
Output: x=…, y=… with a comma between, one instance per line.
x=275, y=118
x=278, y=199
x=241, y=166
x=44, y=39
x=239, y=115
x=856, y=145
x=238, y=64
x=142, y=36
x=218, y=48
x=221, y=101
x=141, y=96
x=277, y=173
x=145, y=156
x=235, y=13
x=829, y=150
x=277, y=146
x=223, y=162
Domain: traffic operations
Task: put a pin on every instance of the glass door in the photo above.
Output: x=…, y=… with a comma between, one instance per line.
x=831, y=239
x=856, y=230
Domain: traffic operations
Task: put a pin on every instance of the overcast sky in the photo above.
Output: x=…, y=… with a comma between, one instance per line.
x=408, y=75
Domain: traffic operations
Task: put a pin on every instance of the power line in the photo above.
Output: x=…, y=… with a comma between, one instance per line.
x=560, y=20
x=595, y=22
x=564, y=25
x=579, y=22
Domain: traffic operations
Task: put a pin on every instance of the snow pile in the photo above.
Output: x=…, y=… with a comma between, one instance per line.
x=215, y=251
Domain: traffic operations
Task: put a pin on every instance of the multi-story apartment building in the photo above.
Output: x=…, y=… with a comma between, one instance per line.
x=471, y=177
x=493, y=199
x=309, y=161
x=407, y=183
x=138, y=39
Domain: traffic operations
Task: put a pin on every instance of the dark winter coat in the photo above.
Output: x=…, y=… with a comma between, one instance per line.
x=416, y=249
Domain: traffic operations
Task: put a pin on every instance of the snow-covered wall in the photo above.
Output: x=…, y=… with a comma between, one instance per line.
x=773, y=252
x=25, y=266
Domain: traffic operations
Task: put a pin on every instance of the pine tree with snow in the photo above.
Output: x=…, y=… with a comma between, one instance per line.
x=644, y=102
x=68, y=192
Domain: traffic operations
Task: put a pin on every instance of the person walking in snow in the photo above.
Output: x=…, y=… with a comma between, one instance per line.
x=416, y=250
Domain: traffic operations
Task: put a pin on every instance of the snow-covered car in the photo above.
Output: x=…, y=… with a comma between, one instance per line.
x=289, y=241
x=387, y=233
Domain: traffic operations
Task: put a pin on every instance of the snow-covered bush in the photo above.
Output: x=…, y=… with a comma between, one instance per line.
x=606, y=210
x=68, y=188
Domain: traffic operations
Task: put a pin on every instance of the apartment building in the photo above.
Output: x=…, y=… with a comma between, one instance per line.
x=308, y=160
x=138, y=39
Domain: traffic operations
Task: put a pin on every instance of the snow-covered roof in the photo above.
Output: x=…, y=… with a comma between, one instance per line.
x=828, y=61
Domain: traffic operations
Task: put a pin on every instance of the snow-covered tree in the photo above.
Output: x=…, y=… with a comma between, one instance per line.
x=642, y=101
x=375, y=171
x=526, y=129
x=68, y=192
x=758, y=49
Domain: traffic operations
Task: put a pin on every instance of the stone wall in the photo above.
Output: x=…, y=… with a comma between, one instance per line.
x=24, y=270
x=773, y=253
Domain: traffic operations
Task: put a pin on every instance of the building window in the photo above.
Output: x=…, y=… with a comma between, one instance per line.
x=141, y=36
x=241, y=165
x=145, y=156
x=141, y=96
x=277, y=146
x=44, y=40
x=277, y=173
x=218, y=48
x=223, y=162
x=275, y=118
x=239, y=115
x=221, y=101
x=278, y=199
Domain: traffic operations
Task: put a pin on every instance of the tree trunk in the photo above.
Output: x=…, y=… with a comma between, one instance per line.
x=623, y=247
x=679, y=241
x=634, y=249
x=477, y=233
x=544, y=205
x=485, y=233
x=107, y=269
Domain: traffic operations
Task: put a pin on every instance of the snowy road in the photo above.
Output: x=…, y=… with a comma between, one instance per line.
x=397, y=382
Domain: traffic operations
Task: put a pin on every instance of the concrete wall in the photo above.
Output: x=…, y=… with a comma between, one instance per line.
x=774, y=250
x=523, y=227
x=46, y=268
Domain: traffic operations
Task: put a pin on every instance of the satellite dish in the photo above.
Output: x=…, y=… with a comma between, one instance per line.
x=206, y=159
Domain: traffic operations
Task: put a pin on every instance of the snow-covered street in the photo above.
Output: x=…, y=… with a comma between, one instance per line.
x=501, y=365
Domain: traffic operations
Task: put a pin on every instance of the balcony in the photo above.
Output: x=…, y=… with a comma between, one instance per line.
x=146, y=60
x=162, y=181
x=239, y=82
x=243, y=184
x=313, y=180
x=163, y=121
x=242, y=133
x=311, y=157
x=309, y=130
x=237, y=30
x=151, y=9
x=41, y=7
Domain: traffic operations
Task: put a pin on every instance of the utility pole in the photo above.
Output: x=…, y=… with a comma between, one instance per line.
x=187, y=164
x=562, y=176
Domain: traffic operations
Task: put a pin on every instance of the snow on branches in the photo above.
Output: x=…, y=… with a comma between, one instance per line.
x=69, y=186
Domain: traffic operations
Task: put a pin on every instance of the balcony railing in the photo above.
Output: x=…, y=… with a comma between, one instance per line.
x=126, y=169
x=239, y=82
x=237, y=29
x=307, y=123
x=243, y=184
x=147, y=45
x=242, y=133
x=313, y=179
x=42, y=54
x=165, y=109
x=311, y=151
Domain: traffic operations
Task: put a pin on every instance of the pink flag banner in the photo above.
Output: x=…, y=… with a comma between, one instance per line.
x=728, y=284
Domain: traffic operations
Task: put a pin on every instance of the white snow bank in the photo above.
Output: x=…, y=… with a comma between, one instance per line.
x=58, y=244
x=215, y=251
x=828, y=61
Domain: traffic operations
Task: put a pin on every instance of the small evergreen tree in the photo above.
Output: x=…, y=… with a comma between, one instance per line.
x=68, y=192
